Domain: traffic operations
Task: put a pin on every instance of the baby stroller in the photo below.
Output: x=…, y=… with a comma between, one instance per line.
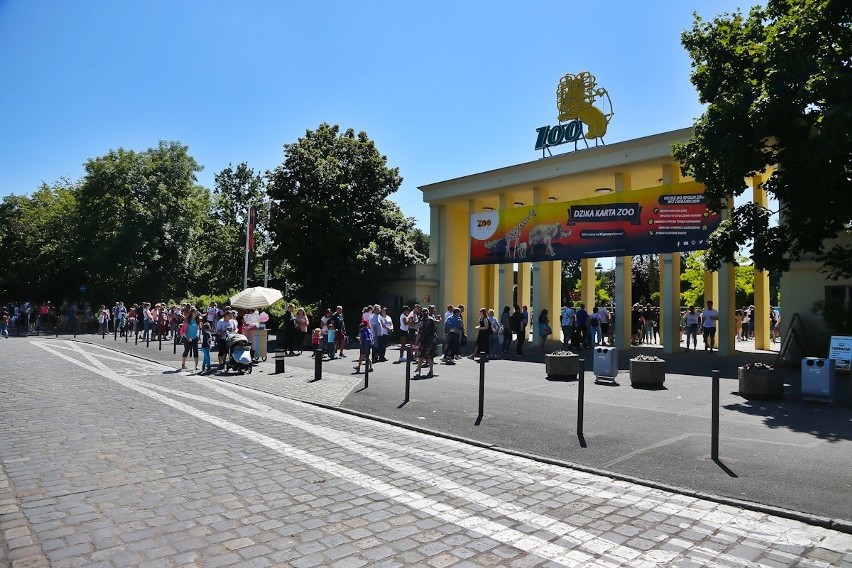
x=239, y=353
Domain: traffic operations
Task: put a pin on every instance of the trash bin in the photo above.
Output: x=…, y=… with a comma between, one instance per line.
x=605, y=362
x=818, y=378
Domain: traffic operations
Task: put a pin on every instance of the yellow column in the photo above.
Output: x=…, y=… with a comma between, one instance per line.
x=725, y=332
x=623, y=283
x=711, y=288
x=456, y=258
x=507, y=271
x=761, y=281
x=670, y=285
x=476, y=278
x=587, y=282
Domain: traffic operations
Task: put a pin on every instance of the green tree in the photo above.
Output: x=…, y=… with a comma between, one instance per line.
x=234, y=191
x=39, y=244
x=336, y=231
x=693, y=276
x=141, y=217
x=778, y=89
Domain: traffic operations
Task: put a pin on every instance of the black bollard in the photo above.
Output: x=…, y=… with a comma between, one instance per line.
x=317, y=364
x=483, y=358
x=367, y=365
x=126, y=334
x=714, y=417
x=581, y=392
x=148, y=339
x=408, y=374
x=115, y=332
x=135, y=336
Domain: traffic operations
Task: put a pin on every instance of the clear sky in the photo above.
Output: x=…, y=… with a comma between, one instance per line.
x=445, y=89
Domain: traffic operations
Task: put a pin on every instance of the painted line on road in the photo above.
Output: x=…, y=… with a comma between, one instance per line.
x=580, y=538
x=482, y=525
x=648, y=448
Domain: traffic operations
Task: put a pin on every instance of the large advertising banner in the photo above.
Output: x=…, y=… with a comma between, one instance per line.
x=663, y=219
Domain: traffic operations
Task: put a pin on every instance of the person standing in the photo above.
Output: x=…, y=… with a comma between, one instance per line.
x=691, y=322
x=603, y=314
x=566, y=322
x=427, y=341
x=224, y=327
x=709, y=317
x=190, y=331
x=403, y=331
x=340, y=331
x=506, y=325
x=365, y=342
x=453, y=331
x=288, y=323
x=595, y=327
x=494, y=339
x=583, y=325
x=544, y=330
x=387, y=329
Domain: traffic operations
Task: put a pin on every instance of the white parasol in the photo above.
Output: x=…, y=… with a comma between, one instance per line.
x=257, y=297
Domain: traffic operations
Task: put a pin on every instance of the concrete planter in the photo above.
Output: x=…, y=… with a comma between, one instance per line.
x=760, y=383
x=562, y=366
x=647, y=374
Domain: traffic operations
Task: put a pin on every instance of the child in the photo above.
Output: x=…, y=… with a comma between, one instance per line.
x=316, y=339
x=4, y=324
x=329, y=348
x=366, y=338
x=206, y=338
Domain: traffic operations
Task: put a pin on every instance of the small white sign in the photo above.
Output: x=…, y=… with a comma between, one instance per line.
x=484, y=225
x=840, y=349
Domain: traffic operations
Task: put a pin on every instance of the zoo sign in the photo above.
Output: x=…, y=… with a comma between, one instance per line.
x=576, y=96
x=662, y=219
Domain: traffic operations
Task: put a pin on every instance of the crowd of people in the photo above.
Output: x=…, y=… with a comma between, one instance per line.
x=417, y=327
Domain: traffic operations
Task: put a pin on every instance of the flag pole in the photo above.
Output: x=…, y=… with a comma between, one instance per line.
x=248, y=233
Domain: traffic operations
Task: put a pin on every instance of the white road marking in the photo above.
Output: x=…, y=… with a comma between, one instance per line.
x=572, y=536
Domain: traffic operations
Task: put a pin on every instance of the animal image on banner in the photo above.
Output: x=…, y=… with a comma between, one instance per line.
x=664, y=219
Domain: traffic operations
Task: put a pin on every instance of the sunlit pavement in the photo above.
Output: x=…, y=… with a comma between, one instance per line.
x=112, y=460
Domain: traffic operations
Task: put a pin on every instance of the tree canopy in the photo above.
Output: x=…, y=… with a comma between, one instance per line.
x=778, y=89
x=334, y=226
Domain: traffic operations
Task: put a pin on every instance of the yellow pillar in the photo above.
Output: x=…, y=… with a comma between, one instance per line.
x=670, y=285
x=711, y=288
x=725, y=332
x=455, y=261
x=476, y=278
x=587, y=282
x=623, y=283
x=506, y=271
x=761, y=281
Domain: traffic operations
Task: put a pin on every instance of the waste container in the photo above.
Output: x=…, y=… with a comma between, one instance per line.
x=605, y=362
x=818, y=378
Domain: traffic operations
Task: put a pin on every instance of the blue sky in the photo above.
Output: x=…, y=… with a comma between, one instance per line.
x=445, y=89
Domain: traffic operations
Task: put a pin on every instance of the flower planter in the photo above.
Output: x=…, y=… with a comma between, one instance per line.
x=763, y=383
x=565, y=367
x=647, y=374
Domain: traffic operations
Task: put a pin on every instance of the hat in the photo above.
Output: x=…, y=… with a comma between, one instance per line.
x=363, y=323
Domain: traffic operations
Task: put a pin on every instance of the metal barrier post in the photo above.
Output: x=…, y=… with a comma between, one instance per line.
x=160, y=331
x=714, y=417
x=408, y=373
x=581, y=393
x=115, y=331
x=317, y=364
x=483, y=358
x=367, y=366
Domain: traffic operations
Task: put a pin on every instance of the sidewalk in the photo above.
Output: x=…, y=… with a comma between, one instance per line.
x=789, y=454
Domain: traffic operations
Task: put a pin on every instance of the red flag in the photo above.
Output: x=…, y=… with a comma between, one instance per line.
x=251, y=224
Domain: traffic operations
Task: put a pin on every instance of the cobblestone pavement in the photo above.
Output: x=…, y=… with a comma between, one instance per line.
x=113, y=461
